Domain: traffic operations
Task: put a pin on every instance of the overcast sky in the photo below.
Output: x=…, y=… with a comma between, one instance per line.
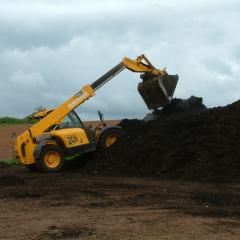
x=50, y=48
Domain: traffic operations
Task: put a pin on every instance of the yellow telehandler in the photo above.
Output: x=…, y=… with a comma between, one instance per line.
x=60, y=134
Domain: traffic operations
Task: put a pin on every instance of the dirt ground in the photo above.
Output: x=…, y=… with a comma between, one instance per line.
x=7, y=134
x=71, y=205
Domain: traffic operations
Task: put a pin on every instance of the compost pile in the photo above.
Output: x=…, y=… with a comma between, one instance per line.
x=186, y=141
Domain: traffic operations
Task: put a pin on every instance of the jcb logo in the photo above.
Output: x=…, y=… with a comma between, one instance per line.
x=72, y=140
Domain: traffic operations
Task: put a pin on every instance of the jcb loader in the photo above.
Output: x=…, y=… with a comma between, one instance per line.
x=60, y=134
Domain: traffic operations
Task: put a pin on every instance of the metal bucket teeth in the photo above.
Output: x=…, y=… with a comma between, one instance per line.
x=157, y=91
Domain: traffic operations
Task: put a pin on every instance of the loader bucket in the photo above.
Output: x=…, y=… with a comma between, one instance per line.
x=157, y=91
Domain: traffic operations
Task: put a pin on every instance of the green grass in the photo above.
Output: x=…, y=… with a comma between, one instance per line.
x=12, y=120
x=72, y=157
x=12, y=161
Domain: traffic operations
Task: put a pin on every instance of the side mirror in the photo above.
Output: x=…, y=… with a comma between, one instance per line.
x=100, y=115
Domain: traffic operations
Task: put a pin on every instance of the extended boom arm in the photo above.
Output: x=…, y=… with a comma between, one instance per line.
x=132, y=65
x=89, y=90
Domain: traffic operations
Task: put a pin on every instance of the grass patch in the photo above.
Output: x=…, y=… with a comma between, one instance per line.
x=72, y=157
x=12, y=120
x=12, y=161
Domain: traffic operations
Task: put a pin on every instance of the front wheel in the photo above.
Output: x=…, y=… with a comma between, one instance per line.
x=51, y=159
x=110, y=137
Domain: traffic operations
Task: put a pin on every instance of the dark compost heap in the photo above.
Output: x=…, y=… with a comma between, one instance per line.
x=187, y=141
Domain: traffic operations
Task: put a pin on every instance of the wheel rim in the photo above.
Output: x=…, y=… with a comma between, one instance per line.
x=52, y=159
x=110, y=140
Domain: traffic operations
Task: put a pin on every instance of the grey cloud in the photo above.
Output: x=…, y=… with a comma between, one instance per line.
x=50, y=49
x=218, y=66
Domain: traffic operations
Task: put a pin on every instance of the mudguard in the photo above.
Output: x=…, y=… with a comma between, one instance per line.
x=41, y=142
x=104, y=130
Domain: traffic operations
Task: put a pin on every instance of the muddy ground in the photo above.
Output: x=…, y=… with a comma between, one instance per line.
x=7, y=134
x=71, y=205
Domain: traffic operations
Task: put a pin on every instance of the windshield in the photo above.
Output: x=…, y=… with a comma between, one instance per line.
x=71, y=121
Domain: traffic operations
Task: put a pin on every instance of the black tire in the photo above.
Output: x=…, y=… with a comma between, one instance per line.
x=111, y=132
x=45, y=166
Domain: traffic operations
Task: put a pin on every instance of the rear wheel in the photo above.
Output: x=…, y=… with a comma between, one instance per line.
x=110, y=137
x=51, y=159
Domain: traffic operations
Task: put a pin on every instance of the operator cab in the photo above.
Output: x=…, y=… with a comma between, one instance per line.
x=72, y=120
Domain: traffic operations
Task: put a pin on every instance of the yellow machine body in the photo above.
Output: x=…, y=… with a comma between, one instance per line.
x=26, y=143
x=24, y=148
x=71, y=137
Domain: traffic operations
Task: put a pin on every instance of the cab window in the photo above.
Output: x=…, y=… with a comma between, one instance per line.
x=71, y=121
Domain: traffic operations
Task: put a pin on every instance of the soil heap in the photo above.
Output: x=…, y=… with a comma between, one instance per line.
x=186, y=141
